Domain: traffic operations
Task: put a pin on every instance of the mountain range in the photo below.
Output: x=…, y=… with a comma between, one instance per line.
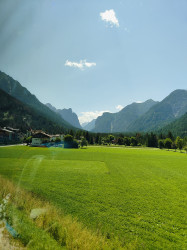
x=120, y=121
x=19, y=107
x=67, y=114
x=16, y=90
x=164, y=112
x=16, y=114
x=144, y=117
x=89, y=126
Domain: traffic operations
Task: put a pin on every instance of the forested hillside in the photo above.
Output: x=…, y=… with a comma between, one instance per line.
x=15, y=89
x=15, y=114
x=178, y=127
x=120, y=121
x=166, y=111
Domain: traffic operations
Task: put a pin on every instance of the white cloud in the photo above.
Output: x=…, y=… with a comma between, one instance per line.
x=138, y=101
x=109, y=16
x=89, y=116
x=119, y=107
x=80, y=65
x=89, y=64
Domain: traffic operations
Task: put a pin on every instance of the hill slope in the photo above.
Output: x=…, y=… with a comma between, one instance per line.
x=119, y=122
x=172, y=107
x=89, y=126
x=15, y=89
x=177, y=127
x=67, y=114
x=15, y=114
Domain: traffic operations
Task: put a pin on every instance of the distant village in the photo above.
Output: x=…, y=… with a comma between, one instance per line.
x=38, y=138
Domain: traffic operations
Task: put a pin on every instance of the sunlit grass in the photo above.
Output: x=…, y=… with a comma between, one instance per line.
x=42, y=226
x=134, y=195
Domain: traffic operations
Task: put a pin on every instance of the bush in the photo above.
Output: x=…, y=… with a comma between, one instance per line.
x=75, y=144
x=126, y=141
x=174, y=146
x=161, y=144
x=179, y=143
x=69, y=142
x=133, y=141
x=84, y=142
x=57, y=139
x=167, y=143
x=28, y=139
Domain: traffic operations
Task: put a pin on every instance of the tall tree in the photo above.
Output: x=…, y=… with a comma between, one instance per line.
x=167, y=143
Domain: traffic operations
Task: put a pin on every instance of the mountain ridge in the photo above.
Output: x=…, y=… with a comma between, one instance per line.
x=178, y=127
x=16, y=114
x=16, y=90
x=89, y=126
x=119, y=122
x=67, y=114
x=171, y=107
x=135, y=117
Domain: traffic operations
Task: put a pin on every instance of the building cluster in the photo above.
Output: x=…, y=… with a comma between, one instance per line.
x=39, y=137
x=10, y=135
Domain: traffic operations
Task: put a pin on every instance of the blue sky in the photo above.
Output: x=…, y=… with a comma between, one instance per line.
x=94, y=56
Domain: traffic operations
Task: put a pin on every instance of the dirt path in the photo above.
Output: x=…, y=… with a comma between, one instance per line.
x=23, y=144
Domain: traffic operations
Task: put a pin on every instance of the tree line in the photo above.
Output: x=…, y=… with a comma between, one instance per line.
x=161, y=141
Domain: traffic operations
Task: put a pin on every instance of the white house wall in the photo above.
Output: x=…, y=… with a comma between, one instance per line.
x=36, y=141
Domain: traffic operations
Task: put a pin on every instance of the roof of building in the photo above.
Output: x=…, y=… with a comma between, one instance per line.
x=12, y=129
x=6, y=130
x=37, y=132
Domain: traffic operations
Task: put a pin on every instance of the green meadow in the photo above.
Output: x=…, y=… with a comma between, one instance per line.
x=137, y=196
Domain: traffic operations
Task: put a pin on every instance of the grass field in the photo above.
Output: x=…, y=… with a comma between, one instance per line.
x=136, y=195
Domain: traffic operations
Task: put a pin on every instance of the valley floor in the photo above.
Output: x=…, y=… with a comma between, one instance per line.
x=133, y=198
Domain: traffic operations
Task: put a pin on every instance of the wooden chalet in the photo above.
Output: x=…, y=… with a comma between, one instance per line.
x=8, y=135
x=39, y=137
